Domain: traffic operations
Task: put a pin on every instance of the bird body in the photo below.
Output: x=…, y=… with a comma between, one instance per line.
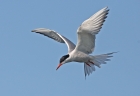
x=79, y=57
x=85, y=43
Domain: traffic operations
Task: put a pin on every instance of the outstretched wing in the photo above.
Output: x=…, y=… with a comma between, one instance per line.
x=54, y=35
x=88, y=29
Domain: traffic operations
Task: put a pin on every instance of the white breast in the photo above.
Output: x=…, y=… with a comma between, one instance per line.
x=79, y=56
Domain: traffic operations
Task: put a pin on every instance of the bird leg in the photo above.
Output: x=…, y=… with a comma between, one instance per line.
x=94, y=64
x=88, y=64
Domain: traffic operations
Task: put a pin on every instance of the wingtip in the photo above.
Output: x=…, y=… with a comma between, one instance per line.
x=115, y=52
x=32, y=30
x=106, y=8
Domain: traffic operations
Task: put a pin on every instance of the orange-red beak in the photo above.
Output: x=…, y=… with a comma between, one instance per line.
x=58, y=66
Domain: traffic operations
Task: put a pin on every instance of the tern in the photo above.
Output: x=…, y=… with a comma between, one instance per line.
x=85, y=43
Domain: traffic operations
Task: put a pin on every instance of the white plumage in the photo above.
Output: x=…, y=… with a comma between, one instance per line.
x=85, y=43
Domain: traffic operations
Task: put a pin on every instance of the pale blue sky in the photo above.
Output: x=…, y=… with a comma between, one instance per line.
x=28, y=60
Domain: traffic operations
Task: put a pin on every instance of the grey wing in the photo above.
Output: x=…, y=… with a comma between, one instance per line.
x=71, y=46
x=52, y=34
x=57, y=37
x=88, y=29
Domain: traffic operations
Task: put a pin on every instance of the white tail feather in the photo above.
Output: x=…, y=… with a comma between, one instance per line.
x=97, y=60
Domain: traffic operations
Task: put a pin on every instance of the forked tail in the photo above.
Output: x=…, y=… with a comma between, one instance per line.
x=89, y=67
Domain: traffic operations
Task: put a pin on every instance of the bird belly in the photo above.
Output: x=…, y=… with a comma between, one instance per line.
x=81, y=60
x=80, y=57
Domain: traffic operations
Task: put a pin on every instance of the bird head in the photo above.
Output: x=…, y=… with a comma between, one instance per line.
x=64, y=59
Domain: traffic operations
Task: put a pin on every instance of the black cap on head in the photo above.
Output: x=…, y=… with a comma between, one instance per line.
x=64, y=58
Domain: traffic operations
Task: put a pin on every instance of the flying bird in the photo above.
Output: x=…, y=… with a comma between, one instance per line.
x=85, y=43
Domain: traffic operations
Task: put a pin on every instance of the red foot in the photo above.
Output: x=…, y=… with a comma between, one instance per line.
x=88, y=64
x=91, y=62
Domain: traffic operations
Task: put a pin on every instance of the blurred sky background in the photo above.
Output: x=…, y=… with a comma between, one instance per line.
x=28, y=60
